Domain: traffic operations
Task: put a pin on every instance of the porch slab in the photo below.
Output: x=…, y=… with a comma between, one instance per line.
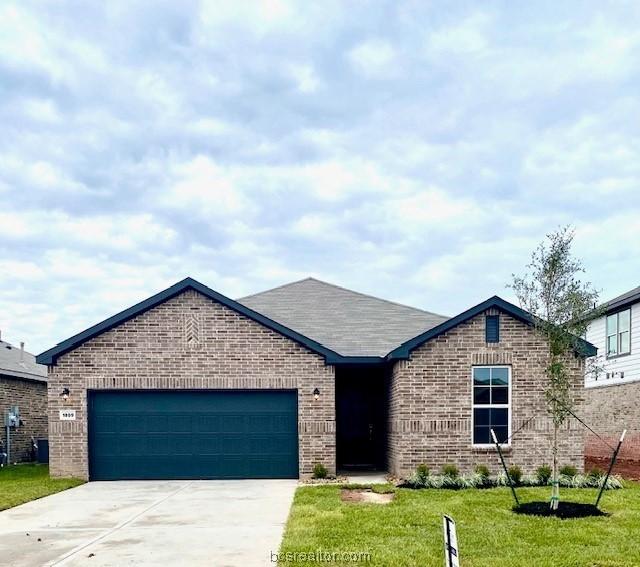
x=365, y=477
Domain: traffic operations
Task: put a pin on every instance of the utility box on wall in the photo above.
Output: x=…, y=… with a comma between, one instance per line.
x=12, y=417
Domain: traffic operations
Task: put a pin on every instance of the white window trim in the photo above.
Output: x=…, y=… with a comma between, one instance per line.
x=617, y=334
x=508, y=406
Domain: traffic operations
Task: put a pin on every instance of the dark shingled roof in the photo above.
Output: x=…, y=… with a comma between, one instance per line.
x=623, y=300
x=345, y=321
x=343, y=326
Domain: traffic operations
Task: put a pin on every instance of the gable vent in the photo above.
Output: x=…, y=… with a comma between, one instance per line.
x=492, y=328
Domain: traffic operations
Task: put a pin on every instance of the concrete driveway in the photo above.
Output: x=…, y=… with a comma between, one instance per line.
x=213, y=523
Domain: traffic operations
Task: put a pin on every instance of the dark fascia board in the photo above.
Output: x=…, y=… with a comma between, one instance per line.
x=50, y=356
x=583, y=347
x=620, y=304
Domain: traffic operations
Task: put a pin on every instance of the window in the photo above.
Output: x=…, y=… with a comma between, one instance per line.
x=619, y=333
x=491, y=408
x=492, y=328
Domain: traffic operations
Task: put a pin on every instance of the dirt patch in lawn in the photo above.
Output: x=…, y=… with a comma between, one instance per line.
x=365, y=495
x=565, y=510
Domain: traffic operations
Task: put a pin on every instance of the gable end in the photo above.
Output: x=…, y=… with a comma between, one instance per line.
x=50, y=356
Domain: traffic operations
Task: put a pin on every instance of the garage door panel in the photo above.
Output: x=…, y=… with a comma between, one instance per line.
x=233, y=423
x=182, y=435
x=208, y=424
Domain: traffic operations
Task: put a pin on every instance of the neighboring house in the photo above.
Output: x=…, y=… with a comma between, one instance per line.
x=23, y=383
x=192, y=384
x=613, y=384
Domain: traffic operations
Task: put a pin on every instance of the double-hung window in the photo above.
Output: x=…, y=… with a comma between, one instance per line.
x=619, y=333
x=491, y=407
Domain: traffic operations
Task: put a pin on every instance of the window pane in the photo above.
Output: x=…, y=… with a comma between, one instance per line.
x=612, y=324
x=499, y=395
x=500, y=376
x=612, y=347
x=481, y=417
x=481, y=395
x=481, y=435
x=502, y=433
x=624, y=320
x=625, y=346
x=481, y=376
x=499, y=417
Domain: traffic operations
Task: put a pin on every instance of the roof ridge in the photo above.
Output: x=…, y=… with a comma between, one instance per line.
x=277, y=287
x=374, y=297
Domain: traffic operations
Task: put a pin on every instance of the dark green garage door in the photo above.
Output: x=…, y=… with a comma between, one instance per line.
x=192, y=434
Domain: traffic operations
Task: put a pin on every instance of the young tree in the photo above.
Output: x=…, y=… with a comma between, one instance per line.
x=563, y=307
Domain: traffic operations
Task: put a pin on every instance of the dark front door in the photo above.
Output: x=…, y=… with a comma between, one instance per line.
x=192, y=434
x=360, y=417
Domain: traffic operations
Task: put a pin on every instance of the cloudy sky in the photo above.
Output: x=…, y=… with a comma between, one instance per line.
x=413, y=150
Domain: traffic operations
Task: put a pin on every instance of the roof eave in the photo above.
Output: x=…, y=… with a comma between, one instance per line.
x=49, y=357
x=403, y=352
x=4, y=372
x=614, y=306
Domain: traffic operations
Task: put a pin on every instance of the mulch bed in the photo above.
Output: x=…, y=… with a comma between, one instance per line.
x=566, y=510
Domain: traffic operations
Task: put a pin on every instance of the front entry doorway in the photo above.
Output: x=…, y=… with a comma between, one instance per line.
x=361, y=430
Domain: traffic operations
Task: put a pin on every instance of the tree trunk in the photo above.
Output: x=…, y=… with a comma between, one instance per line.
x=555, y=490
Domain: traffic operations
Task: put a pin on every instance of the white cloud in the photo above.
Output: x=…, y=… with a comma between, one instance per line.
x=374, y=58
x=205, y=188
x=407, y=150
x=468, y=37
x=305, y=77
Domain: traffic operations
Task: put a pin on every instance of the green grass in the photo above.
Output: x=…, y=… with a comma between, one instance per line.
x=22, y=483
x=408, y=532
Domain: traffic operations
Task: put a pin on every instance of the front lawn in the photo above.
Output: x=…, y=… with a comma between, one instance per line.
x=22, y=483
x=408, y=531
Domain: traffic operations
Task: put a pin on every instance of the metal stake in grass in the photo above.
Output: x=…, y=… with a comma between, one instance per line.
x=613, y=462
x=504, y=466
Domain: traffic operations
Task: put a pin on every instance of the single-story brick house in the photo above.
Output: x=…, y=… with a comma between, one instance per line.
x=23, y=383
x=192, y=384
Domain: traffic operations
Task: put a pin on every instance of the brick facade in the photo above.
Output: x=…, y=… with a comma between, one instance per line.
x=610, y=409
x=31, y=398
x=430, y=401
x=190, y=342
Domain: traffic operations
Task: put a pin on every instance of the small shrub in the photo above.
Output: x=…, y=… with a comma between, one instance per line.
x=482, y=470
x=476, y=480
x=543, y=474
x=422, y=471
x=565, y=480
x=568, y=470
x=580, y=481
x=420, y=478
x=515, y=472
x=613, y=483
x=320, y=471
x=450, y=470
x=595, y=474
x=450, y=481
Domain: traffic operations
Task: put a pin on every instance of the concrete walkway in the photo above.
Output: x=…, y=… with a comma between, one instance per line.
x=221, y=523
